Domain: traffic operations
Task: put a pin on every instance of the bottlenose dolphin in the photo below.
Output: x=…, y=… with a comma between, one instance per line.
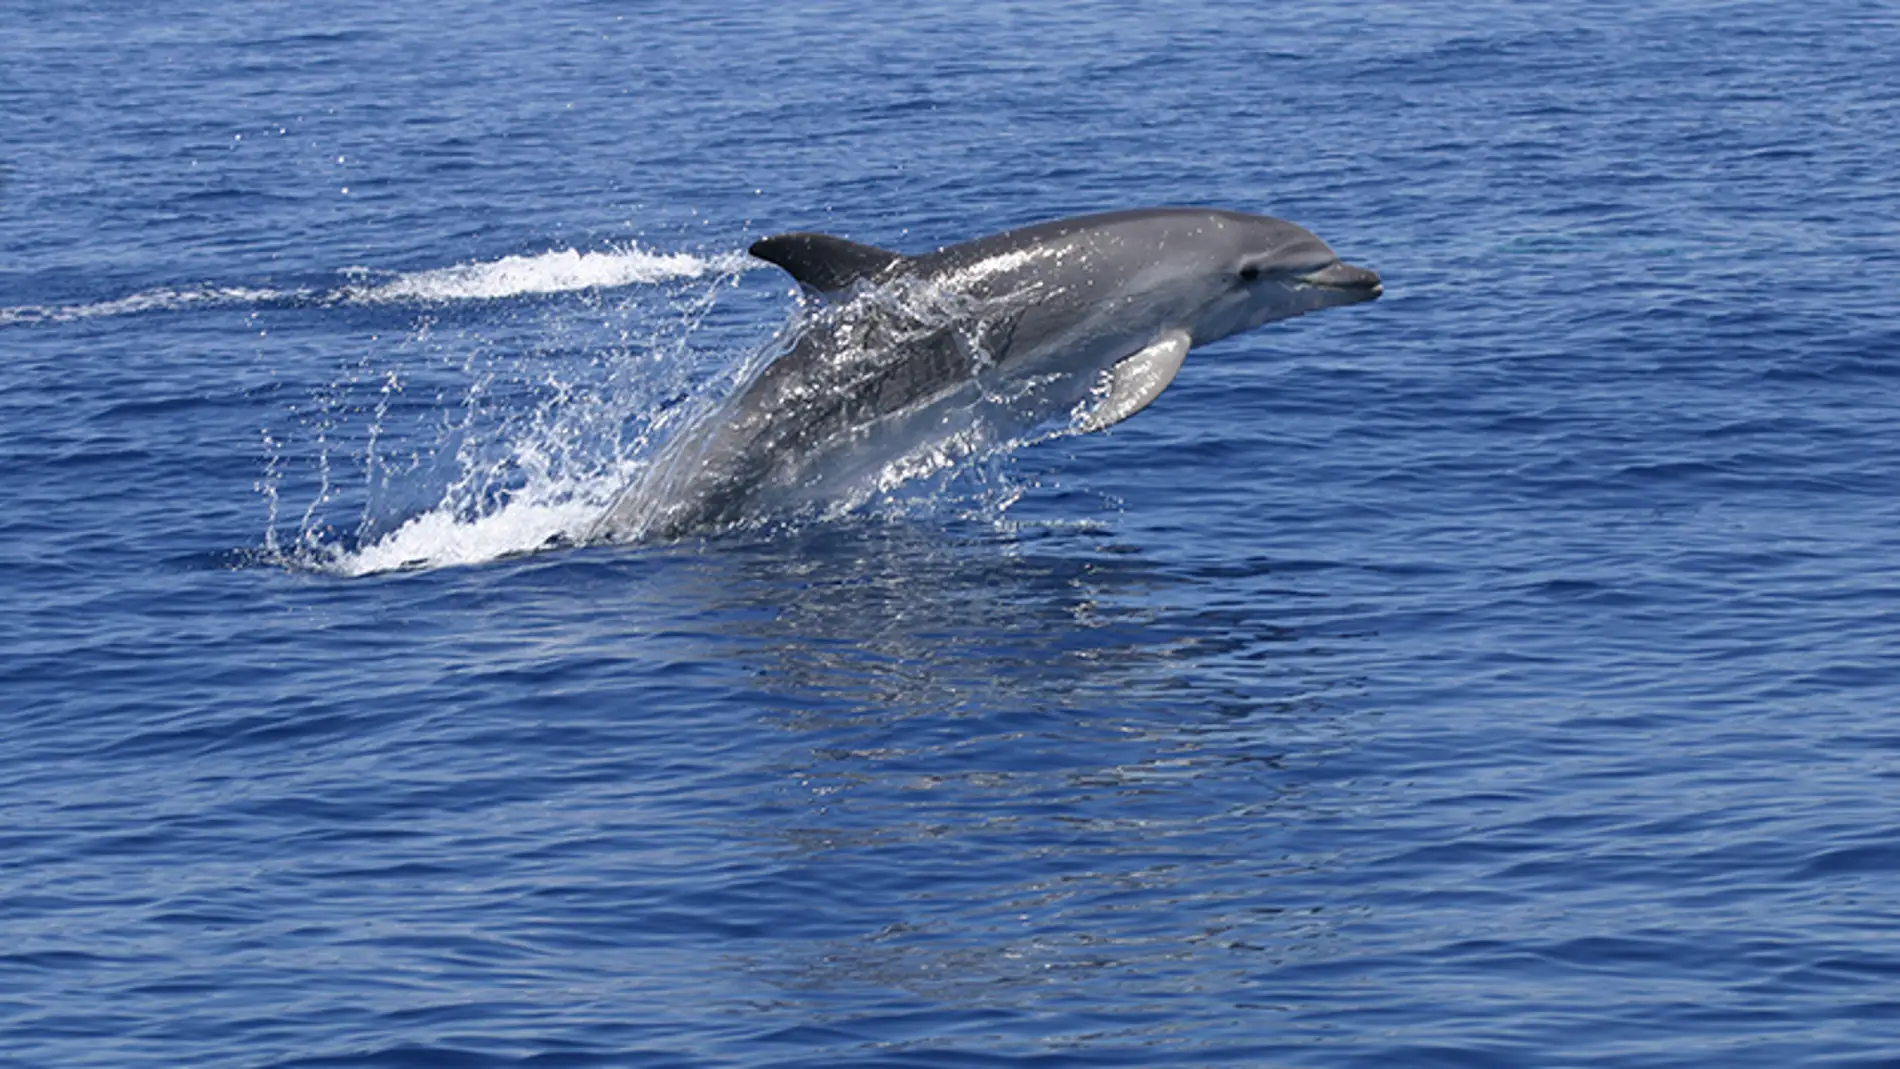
x=898, y=362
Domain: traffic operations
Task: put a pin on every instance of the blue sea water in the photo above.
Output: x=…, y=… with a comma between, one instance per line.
x=1504, y=673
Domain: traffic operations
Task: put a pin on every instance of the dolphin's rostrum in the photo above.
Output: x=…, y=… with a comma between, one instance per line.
x=898, y=357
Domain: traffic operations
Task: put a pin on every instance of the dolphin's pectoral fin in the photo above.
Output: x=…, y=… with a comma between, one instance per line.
x=822, y=262
x=1134, y=383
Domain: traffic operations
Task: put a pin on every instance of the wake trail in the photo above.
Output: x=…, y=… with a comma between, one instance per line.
x=556, y=271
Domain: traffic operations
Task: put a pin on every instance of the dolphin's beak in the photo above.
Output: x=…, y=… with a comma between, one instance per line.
x=1344, y=276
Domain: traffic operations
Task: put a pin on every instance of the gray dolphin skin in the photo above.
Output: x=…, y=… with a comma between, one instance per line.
x=903, y=361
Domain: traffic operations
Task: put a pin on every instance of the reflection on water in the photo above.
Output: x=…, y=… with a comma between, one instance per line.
x=1012, y=757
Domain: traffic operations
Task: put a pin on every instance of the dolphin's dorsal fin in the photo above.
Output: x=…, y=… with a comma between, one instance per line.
x=1137, y=380
x=822, y=262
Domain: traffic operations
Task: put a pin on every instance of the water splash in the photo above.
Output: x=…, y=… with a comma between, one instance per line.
x=511, y=434
x=441, y=538
x=503, y=436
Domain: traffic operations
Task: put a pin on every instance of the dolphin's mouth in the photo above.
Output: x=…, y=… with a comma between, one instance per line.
x=1345, y=276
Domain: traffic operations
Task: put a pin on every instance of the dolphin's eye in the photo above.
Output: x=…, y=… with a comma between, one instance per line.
x=1250, y=272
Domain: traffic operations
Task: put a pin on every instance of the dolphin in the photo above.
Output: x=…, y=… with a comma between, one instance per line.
x=899, y=363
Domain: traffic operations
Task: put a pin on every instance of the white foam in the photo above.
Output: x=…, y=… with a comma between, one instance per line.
x=158, y=300
x=439, y=539
x=557, y=271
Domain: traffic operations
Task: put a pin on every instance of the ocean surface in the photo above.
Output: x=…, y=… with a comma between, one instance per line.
x=1502, y=673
